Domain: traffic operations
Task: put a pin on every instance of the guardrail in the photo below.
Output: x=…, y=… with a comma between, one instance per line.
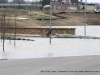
x=76, y=36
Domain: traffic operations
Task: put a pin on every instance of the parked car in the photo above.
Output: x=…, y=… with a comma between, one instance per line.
x=97, y=10
x=46, y=7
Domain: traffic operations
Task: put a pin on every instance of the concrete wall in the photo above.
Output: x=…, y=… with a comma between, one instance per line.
x=40, y=31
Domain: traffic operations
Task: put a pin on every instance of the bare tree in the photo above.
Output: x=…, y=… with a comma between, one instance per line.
x=18, y=1
x=3, y=1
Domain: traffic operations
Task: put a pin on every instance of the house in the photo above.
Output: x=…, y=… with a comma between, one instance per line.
x=90, y=7
x=63, y=5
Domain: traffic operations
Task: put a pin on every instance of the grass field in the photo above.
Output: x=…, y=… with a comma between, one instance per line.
x=72, y=18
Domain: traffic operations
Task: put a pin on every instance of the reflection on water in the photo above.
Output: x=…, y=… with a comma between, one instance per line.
x=60, y=46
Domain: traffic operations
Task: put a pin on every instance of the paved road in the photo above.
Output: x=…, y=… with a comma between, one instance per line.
x=84, y=65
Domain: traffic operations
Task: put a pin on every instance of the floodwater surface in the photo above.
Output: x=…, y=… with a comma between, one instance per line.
x=59, y=47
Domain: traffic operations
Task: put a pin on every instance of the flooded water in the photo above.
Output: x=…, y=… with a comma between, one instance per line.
x=59, y=47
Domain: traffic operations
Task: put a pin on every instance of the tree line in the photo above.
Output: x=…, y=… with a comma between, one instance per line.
x=47, y=2
x=43, y=2
x=13, y=1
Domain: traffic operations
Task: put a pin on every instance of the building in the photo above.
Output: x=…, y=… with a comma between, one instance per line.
x=64, y=5
x=90, y=7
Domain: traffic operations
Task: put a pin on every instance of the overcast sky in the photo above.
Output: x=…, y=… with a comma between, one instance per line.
x=96, y=1
x=93, y=1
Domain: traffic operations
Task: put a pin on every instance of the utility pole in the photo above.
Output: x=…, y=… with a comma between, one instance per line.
x=50, y=20
x=3, y=26
x=70, y=4
x=85, y=17
x=15, y=27
x=15, y=31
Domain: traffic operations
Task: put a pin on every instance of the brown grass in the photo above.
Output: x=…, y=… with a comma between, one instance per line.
x=73, y=19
